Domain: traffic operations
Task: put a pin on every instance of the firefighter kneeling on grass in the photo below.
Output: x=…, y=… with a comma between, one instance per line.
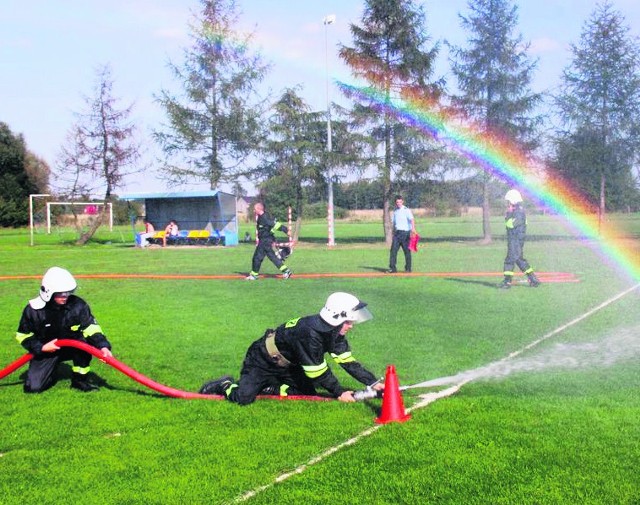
x=56, y=313
x=290, y=360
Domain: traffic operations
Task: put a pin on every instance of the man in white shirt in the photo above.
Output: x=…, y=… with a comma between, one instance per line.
x=403, y=226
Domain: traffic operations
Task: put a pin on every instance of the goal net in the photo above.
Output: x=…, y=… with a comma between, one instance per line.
x=67, y=220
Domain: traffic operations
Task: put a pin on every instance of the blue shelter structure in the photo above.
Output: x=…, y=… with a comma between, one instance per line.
x=193, y=210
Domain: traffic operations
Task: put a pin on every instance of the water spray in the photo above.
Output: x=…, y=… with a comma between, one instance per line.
x=623, y=346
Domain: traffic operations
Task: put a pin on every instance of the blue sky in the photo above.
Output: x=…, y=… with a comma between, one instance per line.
x=50, y=50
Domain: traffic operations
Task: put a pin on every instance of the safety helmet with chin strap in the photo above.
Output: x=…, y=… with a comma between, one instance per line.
x=341, y=307
x=513, y=196
x=55, y=280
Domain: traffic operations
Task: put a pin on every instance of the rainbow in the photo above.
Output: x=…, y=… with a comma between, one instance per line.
x=504, y=160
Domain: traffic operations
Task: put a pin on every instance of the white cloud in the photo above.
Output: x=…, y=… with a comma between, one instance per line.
x=544, y=45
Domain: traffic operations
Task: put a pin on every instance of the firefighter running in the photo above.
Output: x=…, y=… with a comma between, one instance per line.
x=266, y=246
x=516, y=223
x=58, y=314
x=290, y=360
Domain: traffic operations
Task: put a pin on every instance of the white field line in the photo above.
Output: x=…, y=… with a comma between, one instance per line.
x=571, y=323
x=426, y=399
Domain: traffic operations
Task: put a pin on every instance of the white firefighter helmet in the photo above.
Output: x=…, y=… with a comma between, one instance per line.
x=341, y=307
x=513, y=196
x=55, y=280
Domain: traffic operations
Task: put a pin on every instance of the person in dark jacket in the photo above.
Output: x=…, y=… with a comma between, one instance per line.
x=265, y=226
x=58, y=314
x=516, y=223
x=290, y=360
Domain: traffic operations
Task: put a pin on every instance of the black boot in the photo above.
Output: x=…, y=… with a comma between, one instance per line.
x=534, y=282
x=506, y=282
x=271, y=391
x=217, y=387
x=80, y=382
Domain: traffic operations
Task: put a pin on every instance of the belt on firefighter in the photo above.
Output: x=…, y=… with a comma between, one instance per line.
x=275, y=355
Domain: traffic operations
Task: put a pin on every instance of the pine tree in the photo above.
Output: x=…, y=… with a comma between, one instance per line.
x=389, y=53
x=494, y=76
x=599, y=104
x=212, y=132
x=292, y=154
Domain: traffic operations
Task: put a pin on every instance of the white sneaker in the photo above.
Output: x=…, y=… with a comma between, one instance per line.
x=251, y=277
x=286, y=274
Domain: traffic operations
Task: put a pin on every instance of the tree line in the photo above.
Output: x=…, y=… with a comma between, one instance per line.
x=220, y=129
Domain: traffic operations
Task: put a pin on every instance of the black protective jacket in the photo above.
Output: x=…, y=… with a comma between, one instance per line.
x=516, y=223
x=304, y=341
x=71, y=321
x=266, y=225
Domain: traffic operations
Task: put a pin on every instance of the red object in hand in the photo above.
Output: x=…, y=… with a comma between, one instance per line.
x=413, y=242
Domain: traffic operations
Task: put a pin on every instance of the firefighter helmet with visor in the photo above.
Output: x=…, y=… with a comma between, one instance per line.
x=56, y=280
x=341, y=307
x=513, y=196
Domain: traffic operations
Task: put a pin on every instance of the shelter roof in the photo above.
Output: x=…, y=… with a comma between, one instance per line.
x=173, y=195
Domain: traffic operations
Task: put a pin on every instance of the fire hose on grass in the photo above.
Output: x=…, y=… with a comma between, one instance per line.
x=138, y=377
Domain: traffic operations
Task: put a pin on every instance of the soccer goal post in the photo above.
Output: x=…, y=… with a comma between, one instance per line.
x=31, y=212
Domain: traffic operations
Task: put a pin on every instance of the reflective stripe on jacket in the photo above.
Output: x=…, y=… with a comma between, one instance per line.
x=305, y=341
x=73, y=320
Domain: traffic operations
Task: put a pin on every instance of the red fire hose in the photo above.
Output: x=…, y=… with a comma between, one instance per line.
x=138, y=377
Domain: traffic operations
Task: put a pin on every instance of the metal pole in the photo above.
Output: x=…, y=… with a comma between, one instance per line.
x=290, y=227
x=330, y=221
x=31, y=218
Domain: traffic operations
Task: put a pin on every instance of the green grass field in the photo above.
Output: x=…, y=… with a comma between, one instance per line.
x=558, y=426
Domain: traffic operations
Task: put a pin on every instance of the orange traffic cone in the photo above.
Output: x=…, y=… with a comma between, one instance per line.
x=392, y=404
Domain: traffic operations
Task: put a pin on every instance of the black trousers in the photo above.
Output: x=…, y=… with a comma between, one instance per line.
x=515, y=248
x=400, y=240
x=265, y=248
x=259, y=372
x=40, y=375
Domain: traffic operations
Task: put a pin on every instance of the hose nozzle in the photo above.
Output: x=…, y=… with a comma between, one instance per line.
x=365, y=394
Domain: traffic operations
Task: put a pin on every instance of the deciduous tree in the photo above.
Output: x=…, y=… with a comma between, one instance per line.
x=15, y=183
x=101, y=148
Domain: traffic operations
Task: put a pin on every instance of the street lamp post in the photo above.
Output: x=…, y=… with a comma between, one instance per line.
x=330, y=224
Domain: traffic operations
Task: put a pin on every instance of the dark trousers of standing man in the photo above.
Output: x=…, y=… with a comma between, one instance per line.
x=400, y=239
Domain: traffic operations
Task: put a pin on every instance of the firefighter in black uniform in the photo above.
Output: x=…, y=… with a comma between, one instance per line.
x=265, y=226
x=516, y=223
x=290, y=360
x=58, y=314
